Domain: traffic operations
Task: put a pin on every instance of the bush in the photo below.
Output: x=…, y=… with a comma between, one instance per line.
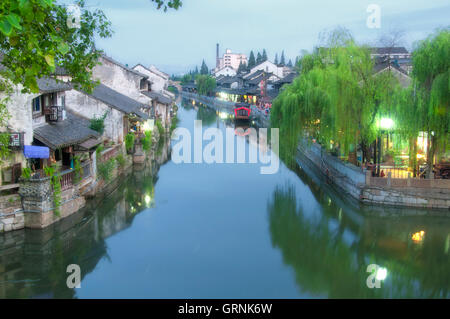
x=160, y=127
x=120, y=160
x=105, y=169
x=98, y=123
x=129, y=141
x=147, y=141
x=26, y=173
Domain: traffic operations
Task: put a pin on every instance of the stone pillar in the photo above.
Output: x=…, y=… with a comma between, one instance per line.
x=368, y=177
x=37, y=199
x=389, y=179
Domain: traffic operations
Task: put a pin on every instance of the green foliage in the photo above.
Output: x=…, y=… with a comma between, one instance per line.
x=282, y=59
x=175, y=121
x=172, y=89
x=204, y=68
x=129, y=141
x=147, y=141
x=251, y=60
x=120, y=159
x=335, y=100
x=55, y=180
x=36, y=38
x=186, y=79
x=160, y=127
x=57, y=197
x=49, y=171
x=105, y=169
x=98, y=123
x=206, y=84
x=165, y=4
x=26, y=173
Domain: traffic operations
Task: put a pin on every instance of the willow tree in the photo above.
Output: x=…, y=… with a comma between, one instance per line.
x=336, y=99
x=431, y=73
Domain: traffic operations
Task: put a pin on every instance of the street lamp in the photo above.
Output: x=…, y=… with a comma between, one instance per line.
x=386, y=123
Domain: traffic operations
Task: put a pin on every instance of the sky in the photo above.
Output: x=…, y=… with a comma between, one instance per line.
x=176, y=41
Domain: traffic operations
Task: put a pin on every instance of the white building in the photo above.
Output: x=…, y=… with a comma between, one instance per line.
x=230, y=59
x=269, y=67
x=225, y=71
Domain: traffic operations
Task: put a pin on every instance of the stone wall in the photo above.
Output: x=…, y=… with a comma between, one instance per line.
x=11, y=213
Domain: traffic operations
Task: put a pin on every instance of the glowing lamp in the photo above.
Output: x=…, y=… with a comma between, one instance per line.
x=147, y=199
x=386, y=123
x=381, y=273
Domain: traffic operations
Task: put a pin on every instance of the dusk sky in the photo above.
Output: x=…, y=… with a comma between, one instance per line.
x=176, y=41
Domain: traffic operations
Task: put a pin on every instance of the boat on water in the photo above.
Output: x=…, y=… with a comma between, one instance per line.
x=242, y=111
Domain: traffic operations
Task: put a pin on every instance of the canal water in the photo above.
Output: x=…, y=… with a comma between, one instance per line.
x=226, y=231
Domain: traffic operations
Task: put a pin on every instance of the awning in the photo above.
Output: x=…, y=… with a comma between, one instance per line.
x=36, y=151
x=90, y=143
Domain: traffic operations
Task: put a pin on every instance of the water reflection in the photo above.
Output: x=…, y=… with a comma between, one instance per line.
x=33, y=262
x=330, y=251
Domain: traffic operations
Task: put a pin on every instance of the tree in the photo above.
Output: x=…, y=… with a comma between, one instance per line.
x=204, y=68
x=264, y=55
x=276, y=59
x=251, y=60
x=242, y=67
x=37, y=36
x=336, y=100
x=165, y=4
x=282, y=59
x=258, y=58
x=431, y=74
x=206, y=84
x=290, y=63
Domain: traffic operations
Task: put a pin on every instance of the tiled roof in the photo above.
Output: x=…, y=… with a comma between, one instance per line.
x=158, y=97
x=73, y=130
x=124, y=66
x=49, y=85
x=388, y=50
x=118, y=101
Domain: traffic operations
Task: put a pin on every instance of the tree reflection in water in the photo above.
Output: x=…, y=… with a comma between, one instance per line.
x=327, y=264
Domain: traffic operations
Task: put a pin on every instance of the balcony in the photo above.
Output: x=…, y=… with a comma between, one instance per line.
x=54, y=113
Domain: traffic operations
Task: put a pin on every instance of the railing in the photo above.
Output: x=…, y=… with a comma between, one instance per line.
x=53, y=113
x=86, y=168
x=66, y=179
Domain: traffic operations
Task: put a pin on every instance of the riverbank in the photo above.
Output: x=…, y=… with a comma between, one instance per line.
x=360, y=185
x=34, y=205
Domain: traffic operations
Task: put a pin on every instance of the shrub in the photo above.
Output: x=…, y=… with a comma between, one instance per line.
x=147, y=141
x=105, y=169
x=129, y=141
x=26, y=173
x=120, y=160
x=98, y=123
x=160, y=127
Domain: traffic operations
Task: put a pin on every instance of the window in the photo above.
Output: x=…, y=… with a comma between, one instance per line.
x=36, y=105
x=63, y=102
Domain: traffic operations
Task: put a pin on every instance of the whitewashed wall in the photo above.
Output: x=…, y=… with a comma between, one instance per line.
x=88, y=107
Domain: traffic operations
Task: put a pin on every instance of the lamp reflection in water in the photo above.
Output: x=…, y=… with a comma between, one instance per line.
x=418, y=236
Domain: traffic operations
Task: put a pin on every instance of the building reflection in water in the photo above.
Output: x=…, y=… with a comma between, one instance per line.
x=33, y=262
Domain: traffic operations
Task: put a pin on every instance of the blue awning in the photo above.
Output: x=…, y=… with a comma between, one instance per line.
x=36, y=151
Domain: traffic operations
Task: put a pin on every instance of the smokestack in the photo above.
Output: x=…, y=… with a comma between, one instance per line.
x=217, y=56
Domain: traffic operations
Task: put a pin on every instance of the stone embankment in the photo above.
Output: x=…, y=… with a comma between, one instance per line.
x=359, y=183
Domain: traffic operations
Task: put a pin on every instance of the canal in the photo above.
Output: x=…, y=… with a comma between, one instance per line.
x=226, y=231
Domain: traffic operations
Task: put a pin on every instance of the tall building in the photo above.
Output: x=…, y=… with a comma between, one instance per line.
x=229, y=59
